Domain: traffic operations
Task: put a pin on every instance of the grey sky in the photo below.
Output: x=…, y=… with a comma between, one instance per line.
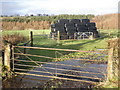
x=22, y=7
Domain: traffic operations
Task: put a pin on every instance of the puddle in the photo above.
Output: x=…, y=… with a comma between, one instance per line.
x=98, y=68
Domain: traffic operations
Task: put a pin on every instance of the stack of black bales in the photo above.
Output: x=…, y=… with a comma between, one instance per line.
x=68, y=28
x=92, y=28
x=60, y=26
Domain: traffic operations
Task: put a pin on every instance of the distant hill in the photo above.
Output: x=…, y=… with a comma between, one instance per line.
x=108, y=21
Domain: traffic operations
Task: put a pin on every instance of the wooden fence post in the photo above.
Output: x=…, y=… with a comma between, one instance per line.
x=110, y=64
x=74, y=36
x=119, y=63
x=12, y=53
x=113, y=68
x=58, y=38
x=31, y=38
x=7, y=56
x=24, y=50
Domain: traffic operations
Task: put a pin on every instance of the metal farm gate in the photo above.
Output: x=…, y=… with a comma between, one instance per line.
x=31, y=65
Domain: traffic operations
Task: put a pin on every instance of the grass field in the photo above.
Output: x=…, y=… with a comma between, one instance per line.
x=85, y=45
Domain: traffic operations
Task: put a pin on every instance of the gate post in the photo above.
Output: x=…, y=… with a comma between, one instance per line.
x=119, y=63
x=110, y=64
x=113, y=69
x=12, y=53
x=7, y=56
x=31, y=38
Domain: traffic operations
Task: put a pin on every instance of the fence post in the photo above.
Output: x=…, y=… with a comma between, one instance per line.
x=113, y=68
x=24, y=50
x=74, y=36
x=110, y=64
x=31, y=38
x=58, y=38
x=7, y=56
x=119, y=63
x=12, y=53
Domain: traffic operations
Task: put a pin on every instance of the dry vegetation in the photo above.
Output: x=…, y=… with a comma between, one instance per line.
x=14, y=38
x=24, y=25
x=108, y=21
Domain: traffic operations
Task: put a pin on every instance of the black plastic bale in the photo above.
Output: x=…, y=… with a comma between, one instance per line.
x=92, y=28
x=71, y=29
x=91, y=24
x=63, y=21
x=59, y=25
x=75, y=21
x=60, y=29
x=53, y=30
x=52, y=25
x=70, y=25
x=80, y=24
x=82, y=29
x=96, y=34
x=67, y=28
x=70, y=32
x=85, y=21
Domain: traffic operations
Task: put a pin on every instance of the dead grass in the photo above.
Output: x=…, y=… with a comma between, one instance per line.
x=14, y=39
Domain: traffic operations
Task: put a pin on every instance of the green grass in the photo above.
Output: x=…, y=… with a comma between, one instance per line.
x=26, y=32
x=84, y=45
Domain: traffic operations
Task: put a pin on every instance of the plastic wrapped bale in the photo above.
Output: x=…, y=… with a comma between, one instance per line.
x=82, y=29
x=59, y=25
x=60, y=29
x=63, y=21
x=96, y=34
x=75, y=21
x=52, y=25
x=85, y=21
x=92, y=24
x=80, y=24
x=71, y=34
x=71, y=29
x=70, y=25
x=92, y=29
x=53, y=30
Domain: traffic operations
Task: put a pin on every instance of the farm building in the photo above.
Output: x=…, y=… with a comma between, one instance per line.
x=74, y=29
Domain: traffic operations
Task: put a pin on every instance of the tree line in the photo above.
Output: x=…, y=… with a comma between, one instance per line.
x=51, y=19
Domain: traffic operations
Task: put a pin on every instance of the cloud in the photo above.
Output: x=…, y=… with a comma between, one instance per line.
x=61, y=6
x=9, y=8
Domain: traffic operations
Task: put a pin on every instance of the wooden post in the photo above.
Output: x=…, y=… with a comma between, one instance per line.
x=58, y=34
x=110, y=64
x=24, y=50
x=12, y=49
x=7, y=56
x=113, y=68
x=31, y=38
x=119, y=63
x=74, y=36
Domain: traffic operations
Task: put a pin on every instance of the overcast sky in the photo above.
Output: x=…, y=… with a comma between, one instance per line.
x=22, y=7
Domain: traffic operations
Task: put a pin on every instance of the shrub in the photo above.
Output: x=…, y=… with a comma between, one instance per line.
x=14, y=39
